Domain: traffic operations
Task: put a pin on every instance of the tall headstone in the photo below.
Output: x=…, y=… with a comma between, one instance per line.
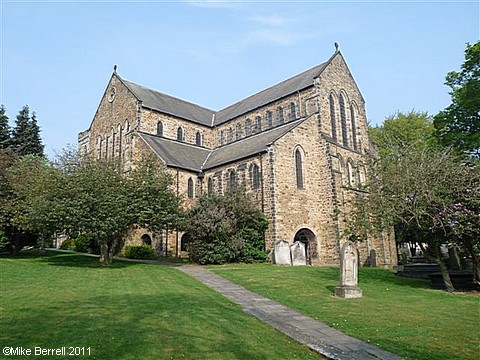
x=348, y=288
x=298, y=254
x=281, y=253
x=373, y=258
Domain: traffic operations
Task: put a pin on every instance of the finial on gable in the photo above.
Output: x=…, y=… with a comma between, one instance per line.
x=336, y=47
x=115, y=68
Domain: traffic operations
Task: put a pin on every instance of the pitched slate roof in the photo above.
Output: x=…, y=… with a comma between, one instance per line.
x=194, y=158
x=247, y=147
x=276, y=92
x=175, y=153
x=156, y=100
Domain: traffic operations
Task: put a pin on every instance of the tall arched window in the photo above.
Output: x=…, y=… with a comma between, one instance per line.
x=293, y=111
x=299, y=169
x=248, y=127
x=238, y=131
x=354, y=127
x=258, y=121
x=269, y=120
x=198, y=139
x=333, y=121
x=210, y=186
x=232, y=180
x=190, y=192
x=280, y=117
x=254, y=172
x=229, y=135
x=343, y=118
x=222, y=137
x=159, y=128
x=180, y=134
x=351, y=173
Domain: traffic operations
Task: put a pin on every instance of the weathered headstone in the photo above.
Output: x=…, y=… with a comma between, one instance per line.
x=298, y=254
x=281, y=253
x=373, y=258
x=348, y=287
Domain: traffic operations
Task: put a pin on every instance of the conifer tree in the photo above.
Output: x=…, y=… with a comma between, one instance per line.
x=5, y=130
x=26, y=134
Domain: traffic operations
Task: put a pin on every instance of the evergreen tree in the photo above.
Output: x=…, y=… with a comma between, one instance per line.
x=4, y=129
x=26, y=134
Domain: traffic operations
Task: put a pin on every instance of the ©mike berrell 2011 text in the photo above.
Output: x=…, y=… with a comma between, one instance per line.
x=39, y=351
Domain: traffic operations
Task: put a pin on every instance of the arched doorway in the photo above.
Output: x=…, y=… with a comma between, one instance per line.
x=308, y=238
x=184, y=242
x=146, y=240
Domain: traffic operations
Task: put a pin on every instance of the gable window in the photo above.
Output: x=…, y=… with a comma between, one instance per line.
x=198, y=139
x=333, y=121
x=258, y=121
x=180, y=134
x=280, y=117
x=299, y=169
x=248, y=127
x=254, y=171
x=159, y=128
x=190, y=193
x=343, y=118
x=293, y=111
x=269, y=120
x=354, y=127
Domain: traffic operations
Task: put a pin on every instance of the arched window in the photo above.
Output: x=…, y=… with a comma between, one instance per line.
x=293, y=111
x=248, y=127
x=258, y=121
x=159, y=128
x=180, y=134
x=210, y=186
x=146, y=240
x=184, y=242
x=198, y=139
x=238, y=131
x=280, y=117
x=269, y=120
x=343, y=118
x=299, y=169
x=190, y=192
x=354, y=127
x=222, y=137
x=232, y=180
x=254, y=171
x=333, y=121
x=351, y=173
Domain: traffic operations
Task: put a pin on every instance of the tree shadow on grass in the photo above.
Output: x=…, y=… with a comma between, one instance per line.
x=79, y=260
x=377, y=275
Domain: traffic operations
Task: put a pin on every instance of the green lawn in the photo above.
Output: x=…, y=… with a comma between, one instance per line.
x=397, y=314
x=127, y=311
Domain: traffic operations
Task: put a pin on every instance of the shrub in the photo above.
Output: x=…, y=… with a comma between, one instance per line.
x=68, y=245
x=225, y=229
x=139, y=252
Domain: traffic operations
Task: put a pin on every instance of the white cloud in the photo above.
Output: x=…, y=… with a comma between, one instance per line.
x=272, y=20
x=215, y=4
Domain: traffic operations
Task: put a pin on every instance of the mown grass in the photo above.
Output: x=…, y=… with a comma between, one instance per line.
x=127, y=311
x=397, y=314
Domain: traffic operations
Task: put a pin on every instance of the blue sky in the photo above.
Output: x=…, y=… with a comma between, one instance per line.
x=58, y=56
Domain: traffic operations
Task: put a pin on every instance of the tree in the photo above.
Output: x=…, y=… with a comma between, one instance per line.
x=403, y=129
x=226, y=229
x=156, y=204
x=5, y=130
x=26, y=134
x=417, y=188
x=459, y=124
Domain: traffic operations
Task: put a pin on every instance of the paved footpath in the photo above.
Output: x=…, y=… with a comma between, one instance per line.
x=317, y=336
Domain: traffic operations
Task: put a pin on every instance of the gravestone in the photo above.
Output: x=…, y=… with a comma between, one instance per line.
x=373, y=258
x=348, y=288
x=281, y=253
x=298, y=254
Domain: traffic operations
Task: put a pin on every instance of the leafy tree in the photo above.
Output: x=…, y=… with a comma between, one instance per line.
x=26, y=134
x=403, y=129
x=156, y=203
x=5, y=130
x=226, y=229
x=459, y=124
x=418, y=188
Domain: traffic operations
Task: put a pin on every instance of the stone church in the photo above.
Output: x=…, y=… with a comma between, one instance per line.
x=297, y=147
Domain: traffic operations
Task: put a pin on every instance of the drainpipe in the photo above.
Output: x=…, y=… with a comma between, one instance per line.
x=176, y=231
x=263, y=198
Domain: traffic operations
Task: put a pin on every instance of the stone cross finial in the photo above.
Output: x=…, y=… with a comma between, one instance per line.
x=336, y=47
x=115, y=68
